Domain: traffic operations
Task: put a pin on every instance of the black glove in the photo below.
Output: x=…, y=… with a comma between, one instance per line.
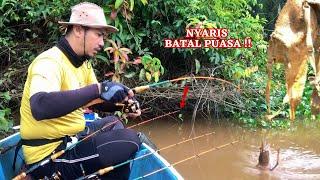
x=113, y=92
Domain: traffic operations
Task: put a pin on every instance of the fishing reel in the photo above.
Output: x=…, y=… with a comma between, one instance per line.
x=130, y=106
x=93, y=177
x=54, y=176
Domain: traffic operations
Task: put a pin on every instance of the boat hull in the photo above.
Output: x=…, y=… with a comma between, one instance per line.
x=139, y=168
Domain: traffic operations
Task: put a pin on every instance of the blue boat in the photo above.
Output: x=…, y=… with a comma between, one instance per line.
x=151, y=162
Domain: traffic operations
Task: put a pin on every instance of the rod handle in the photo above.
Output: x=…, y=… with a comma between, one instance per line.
x=56, y=155
x=105, y=170
x=140, y=89
x=20, y=176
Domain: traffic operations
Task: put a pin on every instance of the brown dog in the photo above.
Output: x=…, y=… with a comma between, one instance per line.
x=264, y=157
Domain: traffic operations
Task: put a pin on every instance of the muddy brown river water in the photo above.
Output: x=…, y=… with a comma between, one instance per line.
x=299, y=149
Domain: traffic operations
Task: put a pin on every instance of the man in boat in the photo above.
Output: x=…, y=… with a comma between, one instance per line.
x=60, y=84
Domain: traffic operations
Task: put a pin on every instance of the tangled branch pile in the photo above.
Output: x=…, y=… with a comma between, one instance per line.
x=214, y=95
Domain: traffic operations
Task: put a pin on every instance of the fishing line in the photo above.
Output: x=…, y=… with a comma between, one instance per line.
x=158, y=117
x=186, y=159
x=143, y=88
x=58, y=154
x=110, y=168
x=136, y=90
x=193, y=119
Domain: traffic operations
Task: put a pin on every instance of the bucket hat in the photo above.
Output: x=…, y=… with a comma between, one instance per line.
x=90, y=15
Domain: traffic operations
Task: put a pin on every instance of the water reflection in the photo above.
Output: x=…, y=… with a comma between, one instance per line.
x=299, y=150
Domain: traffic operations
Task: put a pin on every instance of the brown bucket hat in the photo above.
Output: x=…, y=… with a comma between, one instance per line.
x=88, y=14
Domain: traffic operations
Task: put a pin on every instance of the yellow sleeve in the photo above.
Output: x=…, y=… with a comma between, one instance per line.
x=46, y=76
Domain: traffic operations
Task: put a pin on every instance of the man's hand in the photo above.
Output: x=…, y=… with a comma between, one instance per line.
x=132, y=108
x=114, y=92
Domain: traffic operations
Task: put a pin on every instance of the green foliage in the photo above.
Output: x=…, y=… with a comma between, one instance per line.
x=197, y=65
x=180, y=116
x=244, y=66
x=121, y=115
x=5, y=122
x=152, y=68
x=303, y=109
x=27, y=28
x=172, y=17
x=30, y=27
x=261, y=123
x=273, y=8
x=118, y=3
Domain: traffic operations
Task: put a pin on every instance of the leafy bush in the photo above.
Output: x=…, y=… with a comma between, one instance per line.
x=5, y=112
x=30, y=27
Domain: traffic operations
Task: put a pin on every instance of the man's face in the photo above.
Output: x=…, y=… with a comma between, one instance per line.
x=94, y=41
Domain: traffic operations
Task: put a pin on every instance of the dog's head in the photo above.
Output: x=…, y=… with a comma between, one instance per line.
x=264, y=154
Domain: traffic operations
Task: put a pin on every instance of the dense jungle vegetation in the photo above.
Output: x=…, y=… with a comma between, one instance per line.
x=30, y=27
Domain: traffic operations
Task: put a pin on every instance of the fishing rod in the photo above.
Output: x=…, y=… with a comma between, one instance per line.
x=146, y=121
x=186, y=159
x=59, y=153
x=138, y=89
x=110, y=168
x=4, y=150
x=143, y=88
